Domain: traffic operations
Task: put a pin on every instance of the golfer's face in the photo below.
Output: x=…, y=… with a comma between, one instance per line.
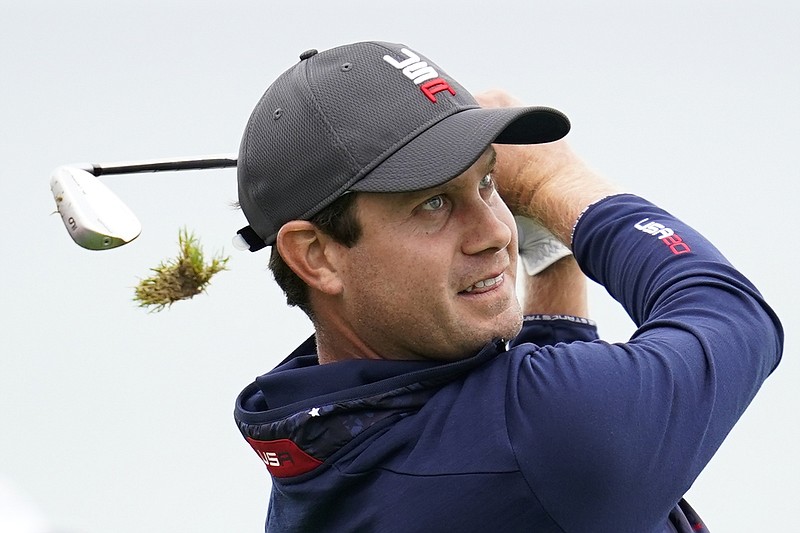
x=433, y=274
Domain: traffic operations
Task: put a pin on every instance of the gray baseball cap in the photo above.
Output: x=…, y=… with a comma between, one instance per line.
x=369, y=117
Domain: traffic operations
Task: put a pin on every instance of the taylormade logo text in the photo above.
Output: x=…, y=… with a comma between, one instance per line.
x=420, y=73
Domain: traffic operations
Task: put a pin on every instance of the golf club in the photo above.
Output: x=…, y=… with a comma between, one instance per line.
x=94, y=216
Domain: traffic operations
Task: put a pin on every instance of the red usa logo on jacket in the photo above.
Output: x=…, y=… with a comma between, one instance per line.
x=666, y=235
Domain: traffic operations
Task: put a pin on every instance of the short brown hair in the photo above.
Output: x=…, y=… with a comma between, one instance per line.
x=340, y=221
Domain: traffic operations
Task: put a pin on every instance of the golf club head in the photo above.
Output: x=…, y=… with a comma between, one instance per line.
x=95, y=217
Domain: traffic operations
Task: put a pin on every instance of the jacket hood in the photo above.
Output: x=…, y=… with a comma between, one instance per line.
x=305, y=412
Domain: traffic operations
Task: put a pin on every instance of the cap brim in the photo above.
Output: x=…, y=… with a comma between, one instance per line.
x=452, y=145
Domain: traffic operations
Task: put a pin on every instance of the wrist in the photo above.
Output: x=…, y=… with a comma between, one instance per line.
x=559, y=201
x=559, y=290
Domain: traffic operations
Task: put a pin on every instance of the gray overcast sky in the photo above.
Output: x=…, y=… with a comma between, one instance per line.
x=118, y=420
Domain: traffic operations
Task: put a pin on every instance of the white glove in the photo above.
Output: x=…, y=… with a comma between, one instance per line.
x=538, y=248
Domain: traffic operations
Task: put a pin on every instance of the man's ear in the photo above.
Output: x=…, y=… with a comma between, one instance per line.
x=311, y=254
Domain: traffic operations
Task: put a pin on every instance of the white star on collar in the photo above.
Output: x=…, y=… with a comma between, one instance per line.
x=314, y=411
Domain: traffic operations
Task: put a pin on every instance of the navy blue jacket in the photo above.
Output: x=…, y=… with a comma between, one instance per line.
x=555, y=431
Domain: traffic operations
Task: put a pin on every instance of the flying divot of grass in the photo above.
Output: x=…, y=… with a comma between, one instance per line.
x=180, y=278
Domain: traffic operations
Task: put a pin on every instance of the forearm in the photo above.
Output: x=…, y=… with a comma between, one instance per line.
x=670, y=290
x=558, y=290
x=554, y=186
x=546, y=182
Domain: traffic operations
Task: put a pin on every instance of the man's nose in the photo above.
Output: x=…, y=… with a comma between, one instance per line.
x=485, y=229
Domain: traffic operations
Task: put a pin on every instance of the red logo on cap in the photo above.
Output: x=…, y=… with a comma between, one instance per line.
x=436, y=86
x=283, y=457
x=419, y=72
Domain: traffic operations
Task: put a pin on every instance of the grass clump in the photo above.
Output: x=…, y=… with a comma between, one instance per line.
x=180, y=278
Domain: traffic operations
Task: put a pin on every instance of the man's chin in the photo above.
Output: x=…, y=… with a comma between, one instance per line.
x=510, y=332
x=506, y=331
x=508, y=324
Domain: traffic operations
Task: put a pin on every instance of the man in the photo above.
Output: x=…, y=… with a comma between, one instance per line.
x=425, y=402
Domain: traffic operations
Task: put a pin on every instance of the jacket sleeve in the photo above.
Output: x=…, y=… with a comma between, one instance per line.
x=610, y=436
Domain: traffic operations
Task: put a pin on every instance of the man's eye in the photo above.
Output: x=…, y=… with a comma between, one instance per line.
x=487, y=182
x=432, y=204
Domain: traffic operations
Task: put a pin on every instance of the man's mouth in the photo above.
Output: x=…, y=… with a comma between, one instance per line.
x=484, y=285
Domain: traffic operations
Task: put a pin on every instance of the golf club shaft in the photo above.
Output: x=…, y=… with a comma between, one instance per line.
x=156, y=165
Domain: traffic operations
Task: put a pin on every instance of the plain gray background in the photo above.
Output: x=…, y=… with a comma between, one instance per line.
x=114, y=419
